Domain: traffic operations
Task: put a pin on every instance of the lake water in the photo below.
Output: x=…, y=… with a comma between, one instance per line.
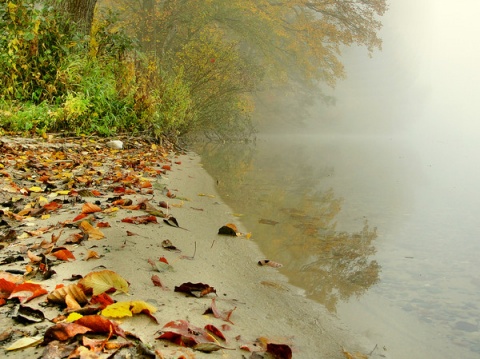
x=372, y=205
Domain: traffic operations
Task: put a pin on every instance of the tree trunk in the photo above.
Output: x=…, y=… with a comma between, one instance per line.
x=80, y=12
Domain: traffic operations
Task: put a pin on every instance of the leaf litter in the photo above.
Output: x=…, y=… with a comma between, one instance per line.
x=92, y=183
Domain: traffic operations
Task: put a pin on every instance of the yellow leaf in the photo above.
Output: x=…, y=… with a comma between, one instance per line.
x=72, y=317
x=26, y=342
x=127, y=309
x=45, y=216
x=93, y=233
x=63, y=193
x=104, y=280
x=35, y=189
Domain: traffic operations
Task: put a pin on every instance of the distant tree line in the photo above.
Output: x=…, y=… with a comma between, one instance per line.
x=168, y=67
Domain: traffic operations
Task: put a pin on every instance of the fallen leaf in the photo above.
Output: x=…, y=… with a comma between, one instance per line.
x=72, y=304
x=92, y=232
x=215, y=331
x=268, y=262
x=127, y=309
x=279, y=351
x=52, y=206
x=63, y=332
x=91, y=255
x=209, y=347
x=157, y=282
x=356, y=355
x=25, y=343
x=59, y=294
x=227, y=230
x=160, y=266
x=33, y=257
x=183, y=333
x=90, y=208
x=103, y=281
x=195, y=289
x=167, y=244
x=27, y=315
x=171, y=221
x=103, y=300
x=103, y=225
x=99, y=324
x=62, y=253
x=140, y=219
x=225, y=316
x=27, y=291
x=164, y=204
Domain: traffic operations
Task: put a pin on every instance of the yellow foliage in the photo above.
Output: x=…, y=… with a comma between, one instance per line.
x=127, y=309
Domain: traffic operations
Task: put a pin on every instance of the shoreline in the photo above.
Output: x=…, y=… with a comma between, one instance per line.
x=266, y=305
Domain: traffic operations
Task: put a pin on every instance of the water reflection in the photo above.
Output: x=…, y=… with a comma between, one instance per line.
x=294, y=222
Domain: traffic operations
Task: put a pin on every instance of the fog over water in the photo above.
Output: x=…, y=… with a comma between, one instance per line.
x=416, y=105
x=399, y=151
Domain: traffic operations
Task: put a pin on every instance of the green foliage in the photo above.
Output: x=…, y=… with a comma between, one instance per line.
x=199, y=69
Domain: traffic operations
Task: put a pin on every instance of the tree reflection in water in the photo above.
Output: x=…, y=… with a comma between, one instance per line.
x=279, y=186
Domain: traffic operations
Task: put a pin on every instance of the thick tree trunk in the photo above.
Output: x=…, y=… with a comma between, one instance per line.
x=80, y=12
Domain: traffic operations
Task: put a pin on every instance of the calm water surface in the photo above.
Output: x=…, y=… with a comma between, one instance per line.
x=374, y=212
x=381, y=230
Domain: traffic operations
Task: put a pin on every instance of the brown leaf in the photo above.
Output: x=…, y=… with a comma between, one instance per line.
x=279, y=351
x=71, y=303
x=73, y=290
x=195, y=289
x=229, y=230
x=64, y=331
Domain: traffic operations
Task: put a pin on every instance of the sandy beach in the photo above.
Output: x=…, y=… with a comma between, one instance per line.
x=257, y=306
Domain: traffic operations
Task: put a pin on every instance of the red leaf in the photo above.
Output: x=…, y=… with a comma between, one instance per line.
x=99, y=324
x=80, y=216
x=183, y=333
x=140, y=219
x=27, y=291
x=103, y=225
x=6, y=288
x=225, y=316
x=214, y=330
x=167, y=167
x=119, y=190
x=63, y=254
x=52, y=206
x=103, y=300
x=163, y=259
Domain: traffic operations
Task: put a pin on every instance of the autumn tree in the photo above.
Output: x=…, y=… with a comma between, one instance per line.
x=270, y=43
